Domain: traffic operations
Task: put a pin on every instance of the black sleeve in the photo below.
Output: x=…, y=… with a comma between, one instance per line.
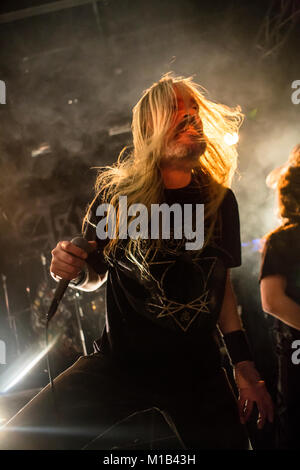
x=95, y=259
x=230, y=230
x=273, y=260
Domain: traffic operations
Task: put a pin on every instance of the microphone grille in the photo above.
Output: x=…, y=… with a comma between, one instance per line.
x=81, y=243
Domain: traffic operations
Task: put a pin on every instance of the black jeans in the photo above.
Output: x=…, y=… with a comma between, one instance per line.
x=94, y=394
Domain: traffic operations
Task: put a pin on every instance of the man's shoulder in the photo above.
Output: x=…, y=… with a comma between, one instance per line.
x=229, y=203
x=285, y=237
x=229, y=196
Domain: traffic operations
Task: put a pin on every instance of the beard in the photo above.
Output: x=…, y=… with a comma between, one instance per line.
x=179, y=154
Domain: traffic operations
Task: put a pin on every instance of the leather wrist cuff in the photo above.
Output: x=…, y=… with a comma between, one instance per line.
x=238, y=346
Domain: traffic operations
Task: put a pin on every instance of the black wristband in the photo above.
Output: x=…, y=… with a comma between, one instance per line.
x=238, y=346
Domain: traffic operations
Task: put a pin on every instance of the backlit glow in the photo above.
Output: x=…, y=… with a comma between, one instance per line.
x=231, y=139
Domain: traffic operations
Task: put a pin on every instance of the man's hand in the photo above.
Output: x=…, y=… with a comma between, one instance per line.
x=252, y=390
x=68, y=260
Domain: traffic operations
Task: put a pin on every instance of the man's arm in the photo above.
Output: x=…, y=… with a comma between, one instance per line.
x=229, y=319
x=69, y=262
x=251, y=387
x=93, y=280
x=277, y=303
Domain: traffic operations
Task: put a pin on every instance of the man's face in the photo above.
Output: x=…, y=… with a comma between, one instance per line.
x=185, y=141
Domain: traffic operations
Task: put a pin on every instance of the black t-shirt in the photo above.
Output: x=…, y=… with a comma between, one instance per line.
x=281, y=255
x=166, y=324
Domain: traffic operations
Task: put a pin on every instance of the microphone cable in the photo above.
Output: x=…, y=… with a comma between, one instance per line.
x=55, y=403
x=60, y=290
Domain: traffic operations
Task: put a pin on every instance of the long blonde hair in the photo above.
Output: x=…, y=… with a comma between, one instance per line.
x=138, y=175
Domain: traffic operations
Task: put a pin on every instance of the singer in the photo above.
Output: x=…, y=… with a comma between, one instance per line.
x=165, y=305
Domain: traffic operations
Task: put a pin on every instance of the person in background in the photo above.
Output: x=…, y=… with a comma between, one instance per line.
x=280, y=295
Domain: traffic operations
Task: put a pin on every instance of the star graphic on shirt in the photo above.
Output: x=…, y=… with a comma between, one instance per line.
x=184, y=314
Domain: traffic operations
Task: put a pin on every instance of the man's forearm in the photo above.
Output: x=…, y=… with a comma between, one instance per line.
x=285, y=309
x=229, y=319
x=277, y=303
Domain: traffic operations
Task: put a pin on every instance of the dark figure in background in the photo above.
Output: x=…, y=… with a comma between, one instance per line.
x=280, y=293
x=160, y=345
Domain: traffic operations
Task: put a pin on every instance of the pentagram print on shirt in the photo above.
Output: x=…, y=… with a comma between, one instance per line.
x=183, y=288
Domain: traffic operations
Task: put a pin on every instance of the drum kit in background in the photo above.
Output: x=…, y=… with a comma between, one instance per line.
x=79, y=320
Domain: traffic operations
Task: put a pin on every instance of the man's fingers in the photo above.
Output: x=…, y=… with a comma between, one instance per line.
x=248, y=410
x=241, y=405
x=265, y=409
x=245, y=409
x=69, y=260
x=265, y=406
x=71, y=248
x=58, y=267
x=261, y=418
x=256, y=394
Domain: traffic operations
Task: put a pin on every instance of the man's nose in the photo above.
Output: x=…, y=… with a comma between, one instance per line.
x=190, y=112
x=188, y=116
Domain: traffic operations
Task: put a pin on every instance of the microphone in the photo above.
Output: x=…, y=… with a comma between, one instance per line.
x=63, y=283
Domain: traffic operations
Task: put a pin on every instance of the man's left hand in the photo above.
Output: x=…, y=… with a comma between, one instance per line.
x=252, y=390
